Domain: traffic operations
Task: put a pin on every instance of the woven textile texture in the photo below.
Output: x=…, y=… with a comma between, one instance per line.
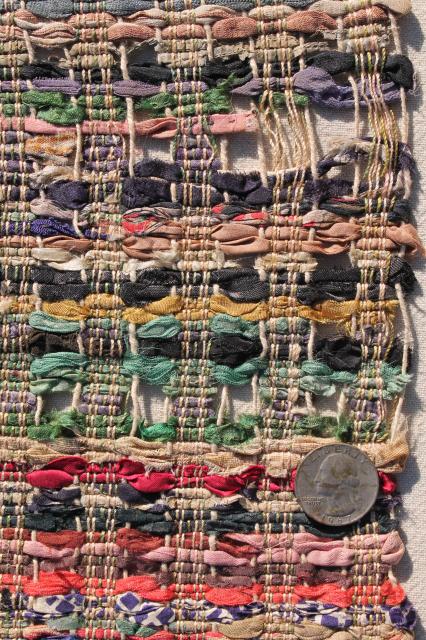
x=141, y=256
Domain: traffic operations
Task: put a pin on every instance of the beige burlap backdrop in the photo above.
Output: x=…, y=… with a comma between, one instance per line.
x=412, y=570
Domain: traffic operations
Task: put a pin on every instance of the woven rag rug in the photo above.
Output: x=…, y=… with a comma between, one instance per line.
x=137, y=255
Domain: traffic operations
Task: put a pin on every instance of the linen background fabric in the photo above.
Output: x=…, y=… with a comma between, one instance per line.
x=412, y=570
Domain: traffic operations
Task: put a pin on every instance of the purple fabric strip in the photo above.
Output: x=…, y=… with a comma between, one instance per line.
x=10, y=85
x=64, y=85
x=256, y=86
x=321, y=88
x=121, y=88
x=187, y=87
x=134, y=88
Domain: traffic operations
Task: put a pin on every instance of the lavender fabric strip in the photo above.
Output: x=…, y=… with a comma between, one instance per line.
x=321, y=88
x=121, y=88
x=134, y=88
x=64, y=85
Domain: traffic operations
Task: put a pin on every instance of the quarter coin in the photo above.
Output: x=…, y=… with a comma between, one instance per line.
x=336, y=484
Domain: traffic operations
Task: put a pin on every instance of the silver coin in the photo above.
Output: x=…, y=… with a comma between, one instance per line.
x=336, y=484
